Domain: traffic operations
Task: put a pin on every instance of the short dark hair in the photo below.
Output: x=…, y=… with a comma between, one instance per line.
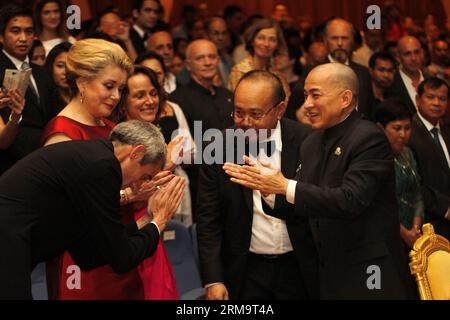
x=151, y=55
x=105, y=11
x=278, y=92
x=432, y=83
x=139, y=3
x=391, y=110
x=382, y=55
x=252, y=31
x=36, y=44
x=119, y=113
x=11, y=11
x=231, y=10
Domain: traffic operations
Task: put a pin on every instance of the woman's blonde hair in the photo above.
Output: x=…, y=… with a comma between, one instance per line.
x=89, y=57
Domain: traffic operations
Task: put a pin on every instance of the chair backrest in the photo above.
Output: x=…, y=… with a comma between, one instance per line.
x=430, y=263
x=178, y=243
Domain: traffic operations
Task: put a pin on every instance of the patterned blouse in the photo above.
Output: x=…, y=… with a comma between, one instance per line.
x=409, y=195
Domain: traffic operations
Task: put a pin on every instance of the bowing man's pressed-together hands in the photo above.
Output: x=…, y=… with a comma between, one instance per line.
x=257, y=176
x=165, y=201
x=141, y=191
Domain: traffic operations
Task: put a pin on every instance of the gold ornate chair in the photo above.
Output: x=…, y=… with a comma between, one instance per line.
x=430, y=263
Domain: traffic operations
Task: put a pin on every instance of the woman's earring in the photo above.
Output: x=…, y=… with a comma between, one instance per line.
x=81, y=97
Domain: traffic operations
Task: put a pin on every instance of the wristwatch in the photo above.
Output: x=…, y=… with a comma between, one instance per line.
x=15, y=122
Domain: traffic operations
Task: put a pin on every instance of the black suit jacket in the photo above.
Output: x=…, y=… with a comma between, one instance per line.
x=366, y=98
x=435, y=174
x=224, y=219
x=35, y=115
x=398, y=90
x=138, y=42
x=346, y=186
x=65, y=197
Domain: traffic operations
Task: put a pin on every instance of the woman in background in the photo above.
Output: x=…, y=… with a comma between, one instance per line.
x=395, y=120
x=37, y=53
x=172, y=119
x=56, y=66
x=264, y=41
x=50, y=22
x=144, y=98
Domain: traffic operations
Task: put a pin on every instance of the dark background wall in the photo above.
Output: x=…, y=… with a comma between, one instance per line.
x=317, y=10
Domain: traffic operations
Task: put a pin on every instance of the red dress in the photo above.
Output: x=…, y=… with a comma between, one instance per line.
x=101, y=283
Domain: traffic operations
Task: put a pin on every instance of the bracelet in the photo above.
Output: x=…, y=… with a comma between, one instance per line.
x=124, y=197
x=15, y=122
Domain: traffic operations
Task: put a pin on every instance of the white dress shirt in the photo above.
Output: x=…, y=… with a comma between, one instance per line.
x=269, y=234
x=412, y=92
x=139, y=31
x=171, y=83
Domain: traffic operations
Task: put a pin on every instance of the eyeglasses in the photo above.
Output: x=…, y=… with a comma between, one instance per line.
x=254, y=115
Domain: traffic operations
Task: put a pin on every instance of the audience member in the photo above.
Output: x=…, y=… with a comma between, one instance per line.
x=430, y=141
x=49, y=19
x=27, y=123
x=162, y=43
x=264, y=41
x=55, y=65
x=37, y=53
x=382, y=67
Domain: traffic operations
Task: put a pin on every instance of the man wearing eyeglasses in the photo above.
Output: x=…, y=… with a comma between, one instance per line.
x=245, y=253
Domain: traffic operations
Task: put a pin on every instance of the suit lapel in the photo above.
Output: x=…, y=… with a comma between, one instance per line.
x=445, y=135
x=290, y=153
x=7, y=63
x=247, y=193
x=403, y=91
x=430, y=142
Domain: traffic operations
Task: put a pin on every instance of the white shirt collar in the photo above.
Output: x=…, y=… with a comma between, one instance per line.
x=412, y=92
x=139, y=30
x=334, y=60
x=427, y=124
x=18, y=63
x=276, y=136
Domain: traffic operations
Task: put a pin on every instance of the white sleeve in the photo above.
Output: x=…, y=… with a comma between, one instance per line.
x=290, y=192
